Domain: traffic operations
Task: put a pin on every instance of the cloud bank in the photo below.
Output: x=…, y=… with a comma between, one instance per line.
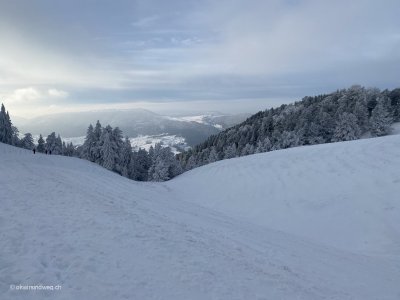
x=76, y=53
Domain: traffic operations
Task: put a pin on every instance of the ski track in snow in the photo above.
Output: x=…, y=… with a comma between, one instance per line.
x=267, y=226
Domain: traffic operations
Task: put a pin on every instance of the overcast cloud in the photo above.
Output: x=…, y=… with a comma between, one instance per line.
x=71, y=55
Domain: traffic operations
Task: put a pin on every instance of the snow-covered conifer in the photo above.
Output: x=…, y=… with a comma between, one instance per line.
x=347, y=128
x=213, y=155
x=126, y=157
x=109, y=154
x=41, y=144
x=230, y=152
x=27, y=142
x=381, y=120
x=89, y=144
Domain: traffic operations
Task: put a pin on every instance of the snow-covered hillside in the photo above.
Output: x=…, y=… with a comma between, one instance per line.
x=318, y=222
x=176, y=143
x=344, y=195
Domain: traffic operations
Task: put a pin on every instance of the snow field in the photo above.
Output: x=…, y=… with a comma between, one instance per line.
x=289, y=224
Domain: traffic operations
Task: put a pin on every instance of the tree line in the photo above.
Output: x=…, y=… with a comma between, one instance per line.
x=9, y=134
x=344, y=115
x=104, y=146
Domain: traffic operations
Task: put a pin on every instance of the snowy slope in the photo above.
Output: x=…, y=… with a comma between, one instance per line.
x=345, y=195
x=101, y=236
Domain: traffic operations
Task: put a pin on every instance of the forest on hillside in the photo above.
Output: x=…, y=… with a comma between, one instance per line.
x=344, y=115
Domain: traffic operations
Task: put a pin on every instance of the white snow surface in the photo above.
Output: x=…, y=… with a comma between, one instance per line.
x=318, y=222
x=345, y=195
x=146, y=141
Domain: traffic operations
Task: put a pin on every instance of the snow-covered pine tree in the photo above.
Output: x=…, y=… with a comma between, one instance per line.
x=164, y=164
x=68, y=149
x=139, y=165
x=6, y=128
x=96, y=147
x=247, y=150
x=64, y=148
x=108, y=152
x=58, y=146
x=159, y=169
x=264, y=145
x=191, y=163
x=15, y=136
x=347, y=128
x=175, y=168
x=314, y=135
x=27, y=142
x=126, y=157
x=230, y=151
x=51, y=142
x=41, y=144
x=395, y=103
x=119, y=144
x=213, y=155
x=2, y=124
x=289, y=139
x=380, y=120
x=361, y=112
x=89, y=144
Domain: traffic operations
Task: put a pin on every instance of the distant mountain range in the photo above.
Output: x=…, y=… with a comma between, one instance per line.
x=133, y=122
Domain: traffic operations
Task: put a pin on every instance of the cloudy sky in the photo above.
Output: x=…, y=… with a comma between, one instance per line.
x=236, y=55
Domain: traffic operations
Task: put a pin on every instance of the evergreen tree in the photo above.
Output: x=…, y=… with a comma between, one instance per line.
x=140, y=165
x=347, y=128
x=89, y=144
x=109, y=155
x=6, y=128
x=41, y=145
x=289, y=139
x=361, y=112
x=247, y=150
x=15, y=136
x=164, y=164
x=126, y=157
x=68, y=149
x=51, y=142
x=213, y=155
x=58, y=146
x=96, y=147
x=54, y=144
x=395, y=104
x=381, y=120
x=191, y=163
x=264, y=145
x=118, y=143
x=27, y=142
x=158, y=170
x=230, y=151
